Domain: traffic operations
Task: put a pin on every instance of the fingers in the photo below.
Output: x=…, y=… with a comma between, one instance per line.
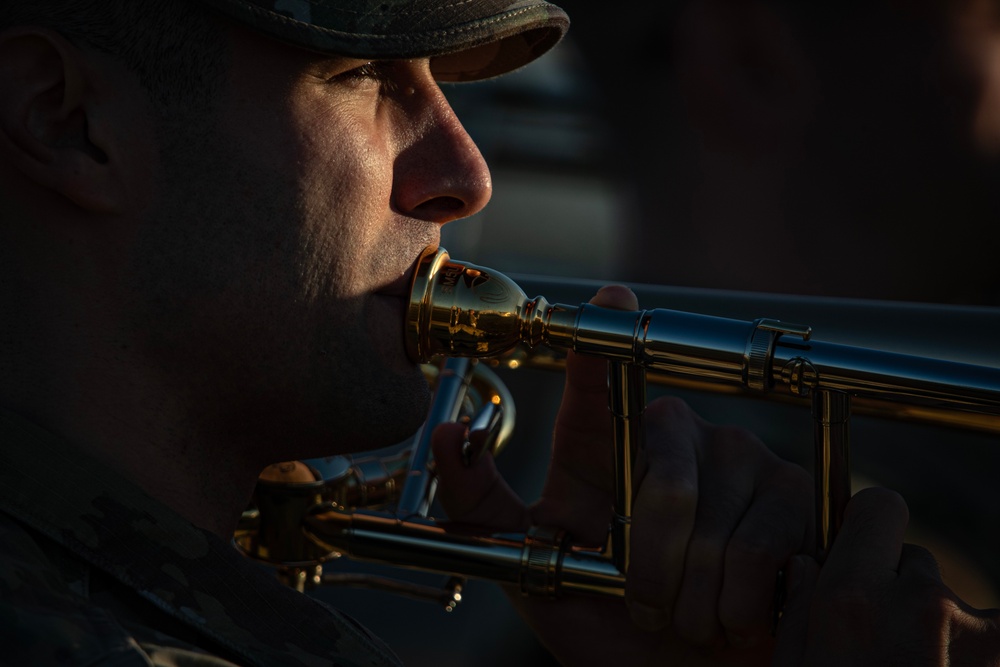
x=664, y=515
x=869, y=544
x=716, y=516
x=793, y=631
x=853, y=598
x=878, y=601
x=474, y=494
x=725, y=494
x=577, y=492
x=775, y=526
x=917, y=562
x=874, y=600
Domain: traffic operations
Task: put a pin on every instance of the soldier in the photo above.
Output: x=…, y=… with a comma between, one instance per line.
x=210, y=213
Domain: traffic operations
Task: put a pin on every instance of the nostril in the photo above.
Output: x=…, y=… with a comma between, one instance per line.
x=439, y=207
x=449, y=203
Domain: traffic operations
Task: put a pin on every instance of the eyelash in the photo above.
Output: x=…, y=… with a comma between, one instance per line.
x=373, y=71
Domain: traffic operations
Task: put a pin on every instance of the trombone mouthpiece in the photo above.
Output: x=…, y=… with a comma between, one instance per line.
x=459, y=309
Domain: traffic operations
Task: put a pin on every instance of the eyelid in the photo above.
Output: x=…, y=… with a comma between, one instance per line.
x=373, y=70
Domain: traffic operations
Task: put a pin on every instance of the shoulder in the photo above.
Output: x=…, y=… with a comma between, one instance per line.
x=44, y=618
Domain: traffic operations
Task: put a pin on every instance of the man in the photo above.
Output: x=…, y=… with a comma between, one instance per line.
x=210, y=210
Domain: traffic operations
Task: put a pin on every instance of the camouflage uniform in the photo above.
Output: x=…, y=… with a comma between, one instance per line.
x=92, y=570
x=95, y=572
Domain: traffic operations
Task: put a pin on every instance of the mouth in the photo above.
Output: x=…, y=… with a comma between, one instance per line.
x=399, y=293
x=398, y=288
x=402, y=286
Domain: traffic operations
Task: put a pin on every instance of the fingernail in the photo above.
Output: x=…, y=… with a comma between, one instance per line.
x=647, y=617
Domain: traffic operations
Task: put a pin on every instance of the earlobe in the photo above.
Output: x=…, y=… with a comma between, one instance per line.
x=45, y=119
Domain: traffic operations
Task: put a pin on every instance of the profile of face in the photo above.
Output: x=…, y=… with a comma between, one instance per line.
x=272, y=267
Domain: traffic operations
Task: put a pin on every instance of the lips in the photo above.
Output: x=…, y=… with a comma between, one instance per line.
x=398, y=288
x=401, y=286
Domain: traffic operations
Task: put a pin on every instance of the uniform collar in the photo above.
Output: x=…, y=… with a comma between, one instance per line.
x=188, y=572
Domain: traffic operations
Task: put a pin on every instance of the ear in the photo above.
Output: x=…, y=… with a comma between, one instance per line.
x=48, y=109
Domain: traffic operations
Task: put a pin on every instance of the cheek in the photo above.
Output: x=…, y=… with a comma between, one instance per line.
x=343, y=145
x=344, y=167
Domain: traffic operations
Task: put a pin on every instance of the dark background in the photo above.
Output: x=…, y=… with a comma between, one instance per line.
x=811, y=149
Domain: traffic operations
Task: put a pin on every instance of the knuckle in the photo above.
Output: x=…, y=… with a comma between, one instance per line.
x=676, y=496
x=753, y=550
x=735, y=435
x=669, y=411
x=877, y=502
x=704, y=551
x=792, y=477
x=722, y=505
x=736, y=447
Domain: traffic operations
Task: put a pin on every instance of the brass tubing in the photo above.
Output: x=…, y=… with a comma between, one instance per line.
x=626, y=402
x=460, y=310
x=537, y=563
x=552, y=360
x=419, y=486
x=883, y=375
x=474, y=311
x=831, y=420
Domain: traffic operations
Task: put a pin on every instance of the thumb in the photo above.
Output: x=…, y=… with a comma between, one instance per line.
x=474, y=494
x=803, y=572
x=578, y=489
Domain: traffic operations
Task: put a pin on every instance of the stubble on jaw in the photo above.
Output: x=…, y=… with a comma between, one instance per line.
x=241, y=317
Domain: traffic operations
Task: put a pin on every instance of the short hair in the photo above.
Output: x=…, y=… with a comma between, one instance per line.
x=173, y=46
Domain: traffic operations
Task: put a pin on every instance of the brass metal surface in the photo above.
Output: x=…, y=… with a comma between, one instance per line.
x=460, y=310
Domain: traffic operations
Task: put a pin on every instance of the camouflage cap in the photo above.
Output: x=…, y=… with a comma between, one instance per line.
x=465, y=39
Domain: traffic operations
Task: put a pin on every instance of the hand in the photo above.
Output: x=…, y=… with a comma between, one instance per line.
x=877, y=601
x=716, y=516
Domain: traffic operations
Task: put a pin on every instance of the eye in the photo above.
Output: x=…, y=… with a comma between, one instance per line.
x=376, y=71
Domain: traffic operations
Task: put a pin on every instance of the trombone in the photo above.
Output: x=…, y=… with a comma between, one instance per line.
x=464, y=312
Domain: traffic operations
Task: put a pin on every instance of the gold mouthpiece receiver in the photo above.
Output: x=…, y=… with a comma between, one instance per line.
x=463, y=310
x=459, y=309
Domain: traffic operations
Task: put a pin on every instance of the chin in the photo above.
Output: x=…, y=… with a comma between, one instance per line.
x=396, y=410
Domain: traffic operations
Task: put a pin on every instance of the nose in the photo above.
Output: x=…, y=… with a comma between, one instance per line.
x=439, y=175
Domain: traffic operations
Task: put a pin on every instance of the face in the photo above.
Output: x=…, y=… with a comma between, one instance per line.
x=274, y=266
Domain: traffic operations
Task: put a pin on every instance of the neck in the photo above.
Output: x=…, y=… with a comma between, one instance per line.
x=82, y=384
x=185, y=470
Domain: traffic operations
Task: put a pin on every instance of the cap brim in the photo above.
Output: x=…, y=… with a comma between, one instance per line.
x=466, y=41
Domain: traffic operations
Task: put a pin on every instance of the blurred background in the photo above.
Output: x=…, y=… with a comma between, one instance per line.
x=830, y=152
